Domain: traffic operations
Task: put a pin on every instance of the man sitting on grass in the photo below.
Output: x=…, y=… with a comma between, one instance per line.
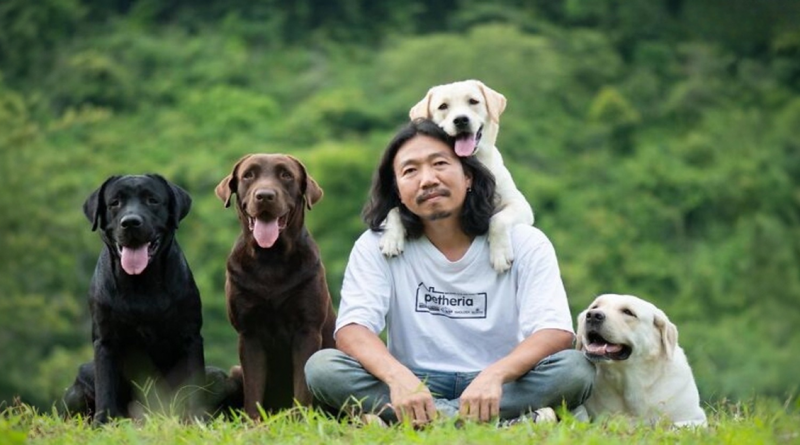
x=462, y=339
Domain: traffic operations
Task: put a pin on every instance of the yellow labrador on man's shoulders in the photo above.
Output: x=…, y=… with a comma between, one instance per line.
x=641, y=370
x=470, y=112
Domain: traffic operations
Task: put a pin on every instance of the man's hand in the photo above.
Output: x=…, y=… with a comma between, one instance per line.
x=412, y=400
x=481, y=399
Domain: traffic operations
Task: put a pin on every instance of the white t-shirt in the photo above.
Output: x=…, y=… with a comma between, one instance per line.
x=454, y=316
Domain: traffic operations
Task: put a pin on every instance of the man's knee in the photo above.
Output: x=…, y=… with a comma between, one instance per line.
x=321, y=367
x=580, y=370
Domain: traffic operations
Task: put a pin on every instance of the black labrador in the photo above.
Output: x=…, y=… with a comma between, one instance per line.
x=145, y=307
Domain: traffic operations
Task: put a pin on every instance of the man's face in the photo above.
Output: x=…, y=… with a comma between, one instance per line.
x=430, y=178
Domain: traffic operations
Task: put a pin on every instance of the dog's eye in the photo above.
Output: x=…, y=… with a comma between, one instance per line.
x=628, y=312
x=248, y=174
x=152, y=201
x=474, y=102
x=286, y=176
x=114, y=203
x=443, y=107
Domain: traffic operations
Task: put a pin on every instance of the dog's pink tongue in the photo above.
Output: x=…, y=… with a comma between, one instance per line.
x=134, y=261
x=596, y=348
x=602, y=348
x=266, y=233
x=465, y=145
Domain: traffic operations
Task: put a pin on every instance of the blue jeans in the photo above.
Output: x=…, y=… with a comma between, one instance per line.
x=340, y=382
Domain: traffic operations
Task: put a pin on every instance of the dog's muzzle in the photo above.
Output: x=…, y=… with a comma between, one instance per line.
x=596, y=348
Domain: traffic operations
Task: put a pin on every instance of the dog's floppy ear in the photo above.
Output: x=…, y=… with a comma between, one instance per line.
x=179, y=200
x=422, y=108
x=95, y=204
x=183, y=203
x=312, y=192
x=668, y=331
x=580, y=331
x=495, y=102
x=229, y=184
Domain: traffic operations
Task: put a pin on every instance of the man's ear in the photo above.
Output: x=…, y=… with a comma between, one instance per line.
x=95, y=204
x=229, y=184
x=668, y=332
x=312, y=192
x=179, y=200
x=422, y=108
x=495, y=102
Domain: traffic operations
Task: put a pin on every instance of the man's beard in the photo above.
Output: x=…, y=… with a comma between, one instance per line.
x=439, y=215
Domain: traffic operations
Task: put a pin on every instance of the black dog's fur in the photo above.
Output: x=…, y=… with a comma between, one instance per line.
x=146, y=325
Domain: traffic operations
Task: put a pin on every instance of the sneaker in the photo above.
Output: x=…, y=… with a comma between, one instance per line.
x=373, y=419
x=580, y=414
x=446, y=408
x=541, y=415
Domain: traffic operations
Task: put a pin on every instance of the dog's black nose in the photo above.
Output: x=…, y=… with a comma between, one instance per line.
x=265, y=195
x=129, y=221
x=461, y=121
x=595, y=316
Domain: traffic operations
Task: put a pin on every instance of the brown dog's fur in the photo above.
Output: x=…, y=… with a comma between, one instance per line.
x=278, y=300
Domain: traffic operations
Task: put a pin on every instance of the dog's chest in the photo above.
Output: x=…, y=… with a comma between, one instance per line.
x=146, y=321
x=619, y=390
x=276, y=308
x=272, y=307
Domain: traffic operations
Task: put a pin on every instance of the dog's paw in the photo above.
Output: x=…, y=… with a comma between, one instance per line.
x=501, y=258
x=392, y=243
x=393, y=240
x=501, y=253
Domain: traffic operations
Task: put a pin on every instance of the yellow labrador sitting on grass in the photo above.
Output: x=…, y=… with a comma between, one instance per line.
x=470, y=112
x=641, y=370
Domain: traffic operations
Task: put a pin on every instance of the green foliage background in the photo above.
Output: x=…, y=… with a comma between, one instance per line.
x=658, y=142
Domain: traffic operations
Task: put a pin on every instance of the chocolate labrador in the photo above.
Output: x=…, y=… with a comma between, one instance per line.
x=145, y=306
x=278, y=300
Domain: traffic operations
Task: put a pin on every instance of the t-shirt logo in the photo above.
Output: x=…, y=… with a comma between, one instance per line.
x=450, y=304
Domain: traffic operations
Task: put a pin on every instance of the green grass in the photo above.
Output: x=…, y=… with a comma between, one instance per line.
x=756, y=422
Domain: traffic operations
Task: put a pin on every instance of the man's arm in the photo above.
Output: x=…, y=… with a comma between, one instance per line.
x=481, y=399
x=544, y=313
x=410, y=398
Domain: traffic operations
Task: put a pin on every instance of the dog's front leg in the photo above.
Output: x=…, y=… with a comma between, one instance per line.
x=393, y=239
x=305, y=344
x=194, y=377
x=107, y=382
x=513, y=209
x=253, y=358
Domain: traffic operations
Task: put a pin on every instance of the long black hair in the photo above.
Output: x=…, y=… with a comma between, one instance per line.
x=479, y=204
